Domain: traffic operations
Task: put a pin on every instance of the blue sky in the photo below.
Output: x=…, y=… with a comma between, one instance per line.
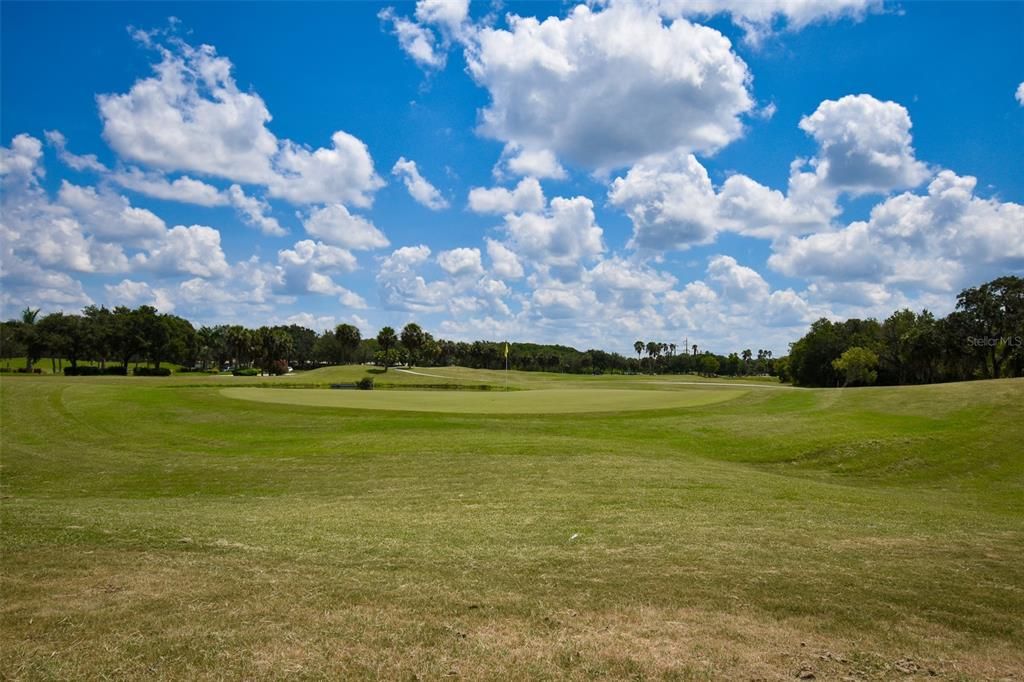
x=714, y=170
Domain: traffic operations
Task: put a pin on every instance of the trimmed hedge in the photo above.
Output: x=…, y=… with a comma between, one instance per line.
x=151, y=372
x=82, y=371
x=246, y=372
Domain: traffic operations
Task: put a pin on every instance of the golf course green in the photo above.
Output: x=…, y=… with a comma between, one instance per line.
x=552, y=401
x=602, y=527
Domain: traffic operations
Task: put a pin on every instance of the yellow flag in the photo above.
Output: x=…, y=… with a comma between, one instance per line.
x=506, y=349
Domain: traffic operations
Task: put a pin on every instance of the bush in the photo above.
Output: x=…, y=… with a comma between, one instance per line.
x=82, y=371
x=26, y=370
x=365, y=384
x=278, y=367
x=116, y=370
x=246, y=372
x=151, y=372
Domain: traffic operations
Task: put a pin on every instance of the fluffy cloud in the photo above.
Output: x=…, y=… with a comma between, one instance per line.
x=427, y=37
x=417, y=41
x=937, y=241
x=193, y=250
x=736, y=282
x=538, y=163
x=605, y=88
x=461, y=262
x=526, y=197
x=759, y=19
x=183, y=189
x=403, y=287
x=21, y=159
x=1020, y=94
x=307, y=253
x=673, y=205
x=132, y=294
x=38, y=232
x=670, y=201
x=306, y=266
x=419, y=189
x=504, y=262
x=335, y=225
x=191, y=116
x=559, y=240
x=344, y=173
x=87, y=162
x=864, y=145
x=734, y=300
x=109, y=216
x=27, y=284
x=254, y=212
x=463, y=289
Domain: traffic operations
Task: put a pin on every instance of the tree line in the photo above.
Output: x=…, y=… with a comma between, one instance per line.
x=983, y=338
x=109, y=340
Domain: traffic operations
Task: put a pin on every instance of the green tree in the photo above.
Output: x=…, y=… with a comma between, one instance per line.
x=348, y=337
x=709, y=365
x=638, y=346
x=993, y=315
x=386, y=358
x=66, y=336
x=857, y=366
x=29, y=337
x=387, y=339
x=413, y=339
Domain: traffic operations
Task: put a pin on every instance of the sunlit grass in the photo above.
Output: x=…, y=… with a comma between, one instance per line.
x=155, y=528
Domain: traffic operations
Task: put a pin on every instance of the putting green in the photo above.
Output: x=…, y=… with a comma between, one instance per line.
x=548, y=401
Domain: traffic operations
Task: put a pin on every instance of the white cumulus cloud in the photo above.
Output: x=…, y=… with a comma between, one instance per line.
x=419, y=188
x=604, y=88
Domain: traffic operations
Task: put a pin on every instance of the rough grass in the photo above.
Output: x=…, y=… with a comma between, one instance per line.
x=152, y=528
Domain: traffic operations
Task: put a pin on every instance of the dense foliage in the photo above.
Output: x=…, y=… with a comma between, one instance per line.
x=982, y=338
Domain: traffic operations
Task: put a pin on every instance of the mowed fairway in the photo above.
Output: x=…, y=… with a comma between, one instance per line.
x=156, y=528
x=551, y=401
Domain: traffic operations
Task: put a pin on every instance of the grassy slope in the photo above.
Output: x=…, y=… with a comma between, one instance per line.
x=154, y=528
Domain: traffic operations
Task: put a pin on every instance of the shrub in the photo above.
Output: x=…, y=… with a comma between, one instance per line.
x=246, y=372
x=82, y=371
x=116, y=370
x=365, y=384
x=278, y=367
x=151, y=372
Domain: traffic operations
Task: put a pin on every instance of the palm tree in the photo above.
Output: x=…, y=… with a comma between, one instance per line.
x=639, y=348
x=694, y=349
x=746, y=360
x=653, y=349
x=28, y=331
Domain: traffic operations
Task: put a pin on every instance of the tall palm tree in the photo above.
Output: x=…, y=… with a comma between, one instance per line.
x=639, y=348
x=746, y=359
x=28, y=321
x=694, y=349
